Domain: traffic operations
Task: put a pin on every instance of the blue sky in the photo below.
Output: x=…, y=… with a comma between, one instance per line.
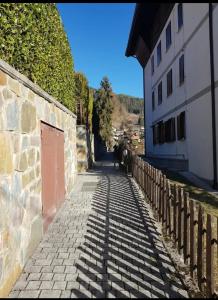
x=98, y=36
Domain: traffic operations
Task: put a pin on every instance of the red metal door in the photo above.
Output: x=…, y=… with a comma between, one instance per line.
x=52, y=163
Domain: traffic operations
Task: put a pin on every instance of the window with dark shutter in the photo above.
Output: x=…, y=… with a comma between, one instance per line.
x=173, y=130
x=169, y=83
x=181, y=70
x=159, y=57
x=161, y=137
x=160, y=93
x=181, y=132
x=153, y=101
x=180, y=15
x=168, y=36
x=152, y=64
x=170, y=133
x=154, y=135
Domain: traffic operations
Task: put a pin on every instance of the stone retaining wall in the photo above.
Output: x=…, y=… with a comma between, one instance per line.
x=23, y=105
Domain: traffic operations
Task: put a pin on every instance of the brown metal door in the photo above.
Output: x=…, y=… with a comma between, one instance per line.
x=52, y=161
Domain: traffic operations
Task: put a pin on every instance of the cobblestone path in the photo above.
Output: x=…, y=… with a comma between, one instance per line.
x=102, y=243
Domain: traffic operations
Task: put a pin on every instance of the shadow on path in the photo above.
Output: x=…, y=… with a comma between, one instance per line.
x=123, y=255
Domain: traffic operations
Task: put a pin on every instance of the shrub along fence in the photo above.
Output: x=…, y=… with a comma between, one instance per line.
x=194, y=233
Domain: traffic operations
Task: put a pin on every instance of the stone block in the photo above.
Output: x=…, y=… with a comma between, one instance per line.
x=25, y=142
x=14, y=86
x=3, y=78
x=1, y=268
x=22, y=162
x=36, y=233
x=24, y=91
x=35, y=141
x=9, y=281
x=17, y=216
x=31, y=157
x=6, y=158
x=50, y=294
x=27, y=178
x=34, y=205
x=12, y=116
x=16, y=142
x=1, y=100
x=28, y=117
x=29, y=294
x=31, y=95
x=7, y=94
x=16, y=185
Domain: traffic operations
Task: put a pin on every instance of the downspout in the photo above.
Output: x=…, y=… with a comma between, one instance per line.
x=213, y=96
x=144, y=105
x=144, y=111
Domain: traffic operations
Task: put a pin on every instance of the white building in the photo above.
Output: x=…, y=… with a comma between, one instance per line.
x=177, y=47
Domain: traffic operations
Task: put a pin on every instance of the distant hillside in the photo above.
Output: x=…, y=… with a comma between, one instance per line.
x=128, y=110
x=133, y=104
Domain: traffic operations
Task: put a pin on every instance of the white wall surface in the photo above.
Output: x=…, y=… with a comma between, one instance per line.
x=192, y=40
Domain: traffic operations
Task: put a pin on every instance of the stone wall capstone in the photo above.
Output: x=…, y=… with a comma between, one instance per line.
x=23, y=105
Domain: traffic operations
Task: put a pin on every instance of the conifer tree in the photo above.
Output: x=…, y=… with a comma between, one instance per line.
x=104, y=109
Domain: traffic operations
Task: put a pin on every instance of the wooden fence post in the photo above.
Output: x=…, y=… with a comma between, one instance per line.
x=200, y=248
x=209, y=259
x=175, y=200
x=186, y=227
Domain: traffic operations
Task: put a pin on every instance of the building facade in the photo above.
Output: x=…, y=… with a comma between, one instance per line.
x=177, y=47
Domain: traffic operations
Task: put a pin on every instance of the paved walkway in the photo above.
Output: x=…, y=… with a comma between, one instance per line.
x=102, y=243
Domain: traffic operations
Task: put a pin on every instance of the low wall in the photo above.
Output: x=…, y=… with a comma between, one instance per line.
x=23, y=105
x=85, y=149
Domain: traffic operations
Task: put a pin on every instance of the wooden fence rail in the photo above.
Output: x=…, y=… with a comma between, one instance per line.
x=194, y=232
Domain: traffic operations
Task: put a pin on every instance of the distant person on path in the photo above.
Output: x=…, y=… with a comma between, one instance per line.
x=115, y=154
x=125, y=158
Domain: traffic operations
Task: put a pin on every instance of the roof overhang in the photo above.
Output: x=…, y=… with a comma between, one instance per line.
x=148, y=22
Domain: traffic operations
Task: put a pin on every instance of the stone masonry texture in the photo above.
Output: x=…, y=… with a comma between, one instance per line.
x=103, y=243
x=22, y=109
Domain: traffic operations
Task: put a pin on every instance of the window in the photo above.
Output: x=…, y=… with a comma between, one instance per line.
x=168, y=36
x=155, y=134
x=153, y=101
x=170, y=134
x=180, y=15
x=159, y=53
x=160, y=98
x=181, y=70
x=161, y=132
x=169, y=83
x=158, y=133
x=181, y=126
x=152, y=64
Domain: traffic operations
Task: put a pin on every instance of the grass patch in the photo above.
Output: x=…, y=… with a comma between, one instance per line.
x=207, y=200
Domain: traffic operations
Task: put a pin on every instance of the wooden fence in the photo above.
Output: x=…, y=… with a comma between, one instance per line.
x=194, y=233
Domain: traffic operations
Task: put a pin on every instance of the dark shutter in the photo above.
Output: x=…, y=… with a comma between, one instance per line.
x=153, y=101
x=159, y=53
x=178, y=127
x=169, y=82
x=181, y=129
x=152, y=64
x=181, y=70
x=173, y=131
x=160, y=93
x=168, y=36
x=180, y=15
x=154, y=135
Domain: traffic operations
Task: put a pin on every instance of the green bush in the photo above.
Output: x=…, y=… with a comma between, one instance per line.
x=33, y=41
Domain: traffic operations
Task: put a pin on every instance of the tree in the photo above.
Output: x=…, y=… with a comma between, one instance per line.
x=81, y=96
x=104, y=109
x=90, y=109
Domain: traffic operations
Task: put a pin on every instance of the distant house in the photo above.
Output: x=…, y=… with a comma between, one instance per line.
x=177, y=47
